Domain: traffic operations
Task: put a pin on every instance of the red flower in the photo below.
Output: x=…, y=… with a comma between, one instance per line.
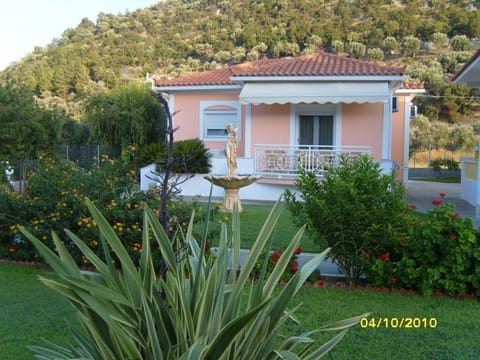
x=366, y=254
x=442, y=195
x=12, y=248
x=298, y=251
x=453, y=237
x=419, y=221
x=1, y=228
x=319, y=283
x=413, y=206
x=385, y=257
x=393, y=280
x=276, y=255
x=294, y=266
x=437, y=202
x=455, y=215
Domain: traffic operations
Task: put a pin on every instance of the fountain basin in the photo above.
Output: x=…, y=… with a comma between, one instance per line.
x=232, y=184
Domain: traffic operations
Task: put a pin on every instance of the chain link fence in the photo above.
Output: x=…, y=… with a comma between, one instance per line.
x=87, y=155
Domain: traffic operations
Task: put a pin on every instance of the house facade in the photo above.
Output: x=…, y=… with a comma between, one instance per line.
x=292, y=113
x=469, y=75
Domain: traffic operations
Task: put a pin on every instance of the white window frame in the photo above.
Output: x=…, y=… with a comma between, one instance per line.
x=233, y=115
x=334, y=110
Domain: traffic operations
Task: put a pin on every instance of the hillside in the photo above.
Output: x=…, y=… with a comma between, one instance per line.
x=175, y=37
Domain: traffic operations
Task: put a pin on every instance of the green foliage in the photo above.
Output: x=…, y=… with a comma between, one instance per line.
x=450, y=164
x=375, y=54
x=26, y=129
x=354, y=210
x=189, y=156
x=410, y=46
x=174, y=38
x=195, y=309
x=125, y=116
x=55, y=198
x=438, y=252
x=460, y=43
x=356, y=50
x=269, y=259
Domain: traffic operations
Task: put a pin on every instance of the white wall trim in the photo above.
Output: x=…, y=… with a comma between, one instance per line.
x=205, y=105
x=387, y=131
x=248, y=130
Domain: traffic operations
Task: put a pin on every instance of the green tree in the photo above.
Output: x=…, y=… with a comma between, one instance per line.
x=375, y=54
x=125, y=116
x=26, y=128
x=390, y=45
x=460, y=43
x=356, y=50
x=463, y=137
x=410, y=46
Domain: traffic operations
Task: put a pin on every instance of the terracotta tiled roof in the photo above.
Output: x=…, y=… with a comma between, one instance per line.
x=321, y=64
x=410, y=85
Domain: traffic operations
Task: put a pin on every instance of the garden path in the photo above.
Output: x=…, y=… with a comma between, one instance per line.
x=422, y=193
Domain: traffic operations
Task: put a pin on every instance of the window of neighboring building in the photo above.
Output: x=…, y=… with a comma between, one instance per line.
x=214, y=117
x=394, y=104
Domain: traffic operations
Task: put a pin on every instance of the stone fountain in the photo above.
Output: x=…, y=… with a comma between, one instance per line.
x=232, y=182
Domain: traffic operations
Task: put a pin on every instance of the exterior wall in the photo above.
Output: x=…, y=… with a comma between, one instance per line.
x=270, y=124
x=362, y=125
x=187, y=118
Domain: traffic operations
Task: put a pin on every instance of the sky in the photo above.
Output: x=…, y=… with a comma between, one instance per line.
x=25, y=24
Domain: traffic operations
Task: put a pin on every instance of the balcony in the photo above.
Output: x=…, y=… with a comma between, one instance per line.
x=285, y=161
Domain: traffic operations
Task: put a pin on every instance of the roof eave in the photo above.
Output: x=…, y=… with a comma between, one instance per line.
x=199, y=88
x=243, y=79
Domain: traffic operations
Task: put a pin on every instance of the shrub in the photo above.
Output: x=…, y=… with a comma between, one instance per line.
x=450, y=164
x=355, y=210
x=190, y=156
x=269, y=259
x=197, y=309
x=55, y=201
x=439, y=252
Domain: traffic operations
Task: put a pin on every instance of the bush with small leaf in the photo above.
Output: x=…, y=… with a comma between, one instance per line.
x=355, y=209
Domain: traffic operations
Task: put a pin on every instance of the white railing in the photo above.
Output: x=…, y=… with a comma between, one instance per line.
x=287, y=160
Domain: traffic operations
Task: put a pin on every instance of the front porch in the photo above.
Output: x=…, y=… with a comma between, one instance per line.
x=279, y=166
x=285, y=161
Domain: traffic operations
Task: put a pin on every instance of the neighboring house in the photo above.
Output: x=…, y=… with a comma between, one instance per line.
x=469, y=75
x=294, y=112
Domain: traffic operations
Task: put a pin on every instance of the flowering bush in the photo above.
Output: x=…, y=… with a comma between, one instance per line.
x=55, y=200
x=269, y=259
x=438, y=252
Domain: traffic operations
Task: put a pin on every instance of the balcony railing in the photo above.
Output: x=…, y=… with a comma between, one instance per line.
x=285, y=161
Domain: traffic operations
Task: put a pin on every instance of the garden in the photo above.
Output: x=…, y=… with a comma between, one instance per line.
x=116, y=247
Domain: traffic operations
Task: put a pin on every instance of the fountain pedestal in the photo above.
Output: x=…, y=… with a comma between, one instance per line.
x=231, y=185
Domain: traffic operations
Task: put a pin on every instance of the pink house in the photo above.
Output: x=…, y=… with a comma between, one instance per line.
x=292, y=113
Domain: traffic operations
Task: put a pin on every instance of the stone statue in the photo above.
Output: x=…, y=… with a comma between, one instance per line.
x=231, y=149
x=232, y=182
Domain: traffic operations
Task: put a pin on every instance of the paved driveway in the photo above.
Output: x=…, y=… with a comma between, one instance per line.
x=422, y=193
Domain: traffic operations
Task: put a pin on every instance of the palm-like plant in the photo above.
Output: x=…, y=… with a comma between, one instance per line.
x=200, y=308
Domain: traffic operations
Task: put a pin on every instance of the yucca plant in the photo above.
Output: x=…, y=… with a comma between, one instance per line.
x=199, y=308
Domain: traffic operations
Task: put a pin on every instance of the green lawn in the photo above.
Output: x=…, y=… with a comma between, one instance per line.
x=30, y=311
x=251, y=221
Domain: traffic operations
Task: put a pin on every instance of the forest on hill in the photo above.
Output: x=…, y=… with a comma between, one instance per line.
x=174, y=37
